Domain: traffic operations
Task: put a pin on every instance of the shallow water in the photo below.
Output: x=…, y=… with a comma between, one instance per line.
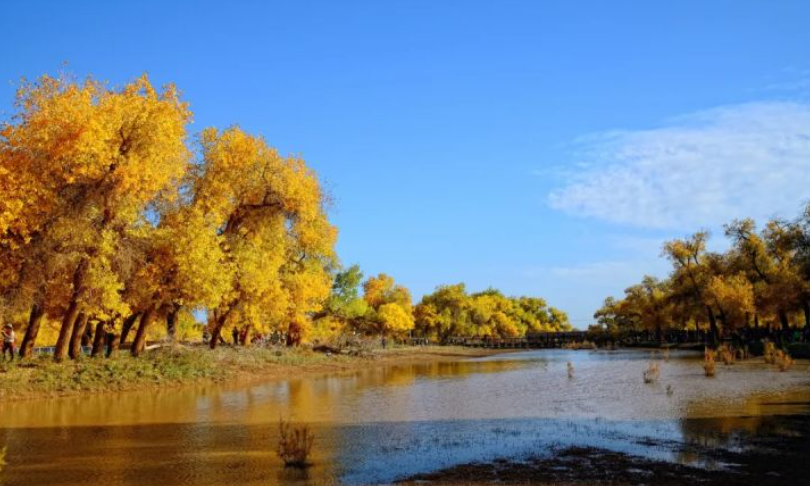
x=385, y=423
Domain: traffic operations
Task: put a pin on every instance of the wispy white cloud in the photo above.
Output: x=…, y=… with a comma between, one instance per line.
x=698, y=170
x=792, y=80
x=595, y=270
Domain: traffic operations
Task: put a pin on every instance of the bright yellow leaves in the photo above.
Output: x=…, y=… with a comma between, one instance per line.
x=451, y=311
x=763, y=279
x=104, y=215
x=271, y=215
x=394, y=319
x=382, y=290
x=734, y=296
x=103, y=211
x=390, y=304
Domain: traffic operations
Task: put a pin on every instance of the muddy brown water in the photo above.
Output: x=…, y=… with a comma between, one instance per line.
x=383, y=424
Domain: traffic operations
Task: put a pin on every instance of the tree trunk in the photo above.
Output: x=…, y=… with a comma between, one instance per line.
x=244, y=336
x=722, y=332
x=294, y=334
x=65, y=331
x=87, y=337
x=219, y=322
x=127, y=326
x=715, y=334
x=112, y=344
x=171, y=324
x=75, y=349
x=806, y=308
x=98, y=340
x=139, y=342
x=30, y=337
x=69, y=319
x=783, y=319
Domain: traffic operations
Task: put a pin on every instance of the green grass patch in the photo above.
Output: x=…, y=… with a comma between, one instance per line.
x=41, y=376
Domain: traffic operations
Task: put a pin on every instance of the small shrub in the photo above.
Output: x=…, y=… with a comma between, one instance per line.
x=709, y=363
x=783, y=360
x=727, y=354
x=570, y=370
x=294, y=444
x=769, y=353
x=580, y=345
x=652, y=373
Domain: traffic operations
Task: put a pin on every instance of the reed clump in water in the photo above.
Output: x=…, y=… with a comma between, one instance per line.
x=652, y=373
x=769, y=353
x=580, y=345
x=727, y=354
x=294, y=444
x=570, y=370
x=709, y=362
x=783, y=360
x=3, y=459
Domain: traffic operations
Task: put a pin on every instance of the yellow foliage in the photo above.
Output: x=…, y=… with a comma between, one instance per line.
x=395, y=319
x=381, y=290
x=275, y=231
x=734, y=294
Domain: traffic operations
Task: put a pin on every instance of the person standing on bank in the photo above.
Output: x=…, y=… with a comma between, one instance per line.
x=8, y=341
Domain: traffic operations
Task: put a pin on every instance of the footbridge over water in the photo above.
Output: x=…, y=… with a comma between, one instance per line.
x=544, y=340
x=540, y=340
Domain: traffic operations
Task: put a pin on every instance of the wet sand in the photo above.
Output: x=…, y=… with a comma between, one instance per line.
x=768, y=459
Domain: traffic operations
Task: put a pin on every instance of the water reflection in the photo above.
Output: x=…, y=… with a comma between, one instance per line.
x=383, y=423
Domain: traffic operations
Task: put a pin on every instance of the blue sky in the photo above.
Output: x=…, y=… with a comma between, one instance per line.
x=544, y=148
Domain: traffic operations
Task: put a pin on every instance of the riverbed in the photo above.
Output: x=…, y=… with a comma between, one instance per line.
x=388, y=423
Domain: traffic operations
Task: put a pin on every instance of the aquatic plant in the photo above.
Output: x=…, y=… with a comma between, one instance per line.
x=709, y=364
x=570, y=370
x=727, y=354
x=783, y=360
x=580, y=345
x=670, y=391
x=666, y=354
x=294, y=444
x=652, y=373
x=769, y=353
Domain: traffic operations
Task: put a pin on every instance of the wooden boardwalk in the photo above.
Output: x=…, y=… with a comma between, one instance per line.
x=540, y=340
x=550, y=340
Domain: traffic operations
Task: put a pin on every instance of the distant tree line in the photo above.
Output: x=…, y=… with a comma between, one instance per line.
x=450, y=311
x=761, y=282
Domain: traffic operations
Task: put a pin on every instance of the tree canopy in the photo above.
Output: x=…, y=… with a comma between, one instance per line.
x=761, y=281
x=114, y=216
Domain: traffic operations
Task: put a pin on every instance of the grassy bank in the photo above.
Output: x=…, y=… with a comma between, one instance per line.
x=166, y=367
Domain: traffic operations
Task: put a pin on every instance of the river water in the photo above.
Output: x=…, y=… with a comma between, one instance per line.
x=385, y=423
